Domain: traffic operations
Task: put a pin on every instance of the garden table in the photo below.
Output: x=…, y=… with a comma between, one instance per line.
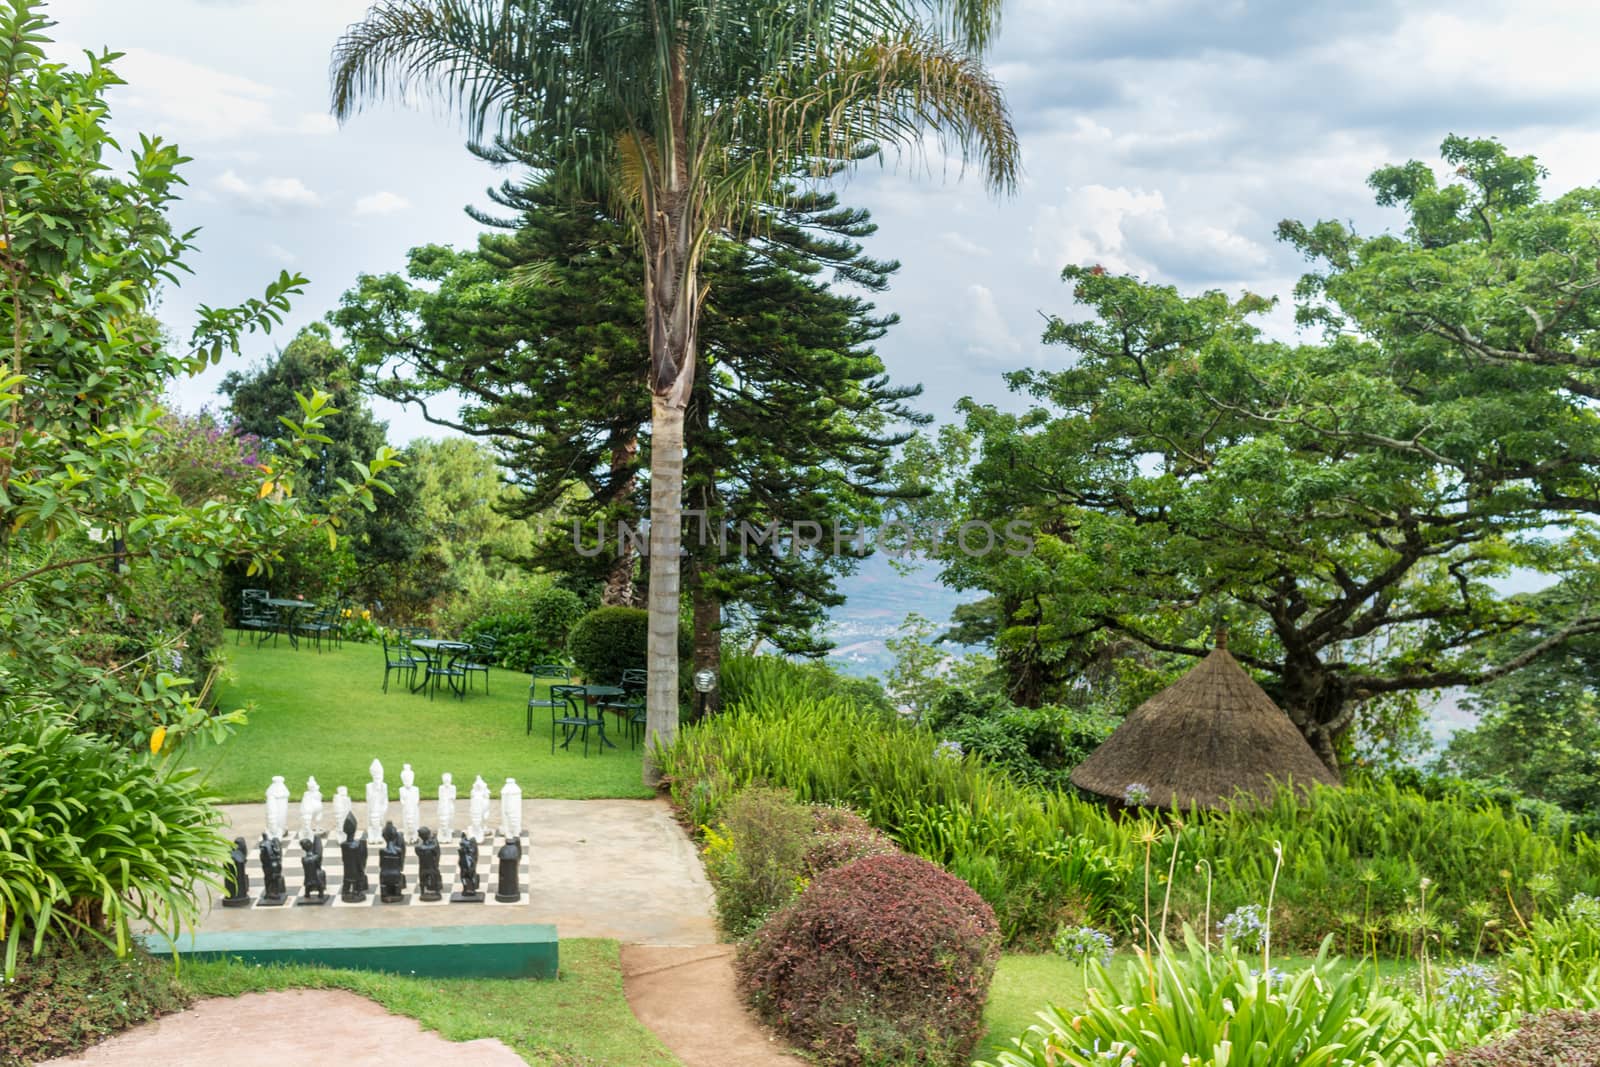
x=591, y=692
x=286, y=609
x=433, y=651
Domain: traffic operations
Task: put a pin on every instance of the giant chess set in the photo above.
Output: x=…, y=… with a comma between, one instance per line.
x=385, y=864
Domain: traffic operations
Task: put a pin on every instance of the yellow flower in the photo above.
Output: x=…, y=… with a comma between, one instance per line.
x=157, y=739
x=366, y=614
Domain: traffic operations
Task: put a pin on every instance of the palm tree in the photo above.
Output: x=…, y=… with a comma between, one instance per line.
x=683, y=115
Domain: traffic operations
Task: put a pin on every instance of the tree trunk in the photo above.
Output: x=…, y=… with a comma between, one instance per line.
x=1319, y=705
x=619, y=588
x=707, y=631
x=666, y=519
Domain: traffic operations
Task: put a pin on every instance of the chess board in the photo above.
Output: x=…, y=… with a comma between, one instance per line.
x=449, y=874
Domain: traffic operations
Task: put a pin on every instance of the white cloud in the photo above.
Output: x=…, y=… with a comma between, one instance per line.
x=961, y=245
x=187, y=100
x=268, y=196
x=317, y=122
x=988, y=333
x=381, y=202
x=280, y=254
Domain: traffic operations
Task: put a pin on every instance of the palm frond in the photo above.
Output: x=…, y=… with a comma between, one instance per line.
x=895, y=90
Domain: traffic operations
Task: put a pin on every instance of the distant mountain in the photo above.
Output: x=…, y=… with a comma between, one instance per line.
x=877, y=600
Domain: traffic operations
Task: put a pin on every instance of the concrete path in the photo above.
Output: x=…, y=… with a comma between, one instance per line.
x=687, y=996
x=621, y=869
x=295, y=1027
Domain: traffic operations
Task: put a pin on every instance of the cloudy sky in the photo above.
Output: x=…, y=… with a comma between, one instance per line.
x=1163, y=137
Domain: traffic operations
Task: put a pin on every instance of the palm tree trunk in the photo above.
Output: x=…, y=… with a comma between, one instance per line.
x=666, y=518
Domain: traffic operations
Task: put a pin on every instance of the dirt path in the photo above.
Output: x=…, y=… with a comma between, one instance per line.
x=298, y=1026
x=686, y=996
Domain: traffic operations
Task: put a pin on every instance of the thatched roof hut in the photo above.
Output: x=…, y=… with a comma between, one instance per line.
x=1210, y=735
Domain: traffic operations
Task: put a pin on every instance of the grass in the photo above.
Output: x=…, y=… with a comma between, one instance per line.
x=1024, y=983
x=326, y=715
x=579, y=1020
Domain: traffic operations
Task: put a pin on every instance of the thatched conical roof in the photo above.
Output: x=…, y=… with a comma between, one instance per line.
x=1207, y=737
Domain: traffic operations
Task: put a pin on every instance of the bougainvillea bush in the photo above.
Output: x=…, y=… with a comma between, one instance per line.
x=886, y=960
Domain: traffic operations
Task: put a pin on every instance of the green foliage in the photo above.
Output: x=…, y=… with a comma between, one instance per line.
x=1433, y=442
x=1022, y=850
x=755, y=857
x=535, y=633
x=68, y=999
x=1038, y=746
x=1354, y=858
x=884, y=961
x=1553, y=1038
x=607, y=641
x=94, y=509
x=95, y=836
x=767, y=847
x=1207, y=1006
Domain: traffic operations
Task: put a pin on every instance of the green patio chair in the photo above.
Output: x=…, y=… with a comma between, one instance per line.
x=256, y=615
x=398, y=657
x=576, y=716
x=480, y=658
x=536, y=672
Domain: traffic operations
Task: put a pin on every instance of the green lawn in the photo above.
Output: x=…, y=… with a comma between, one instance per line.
x=579, y=1020
x=326, y=715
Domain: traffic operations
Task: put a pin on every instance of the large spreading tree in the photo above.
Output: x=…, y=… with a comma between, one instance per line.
x=1351, y=510
x=681, y=114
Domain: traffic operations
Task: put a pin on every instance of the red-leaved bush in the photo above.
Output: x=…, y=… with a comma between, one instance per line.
x=1554, y=1039
x=886, y=960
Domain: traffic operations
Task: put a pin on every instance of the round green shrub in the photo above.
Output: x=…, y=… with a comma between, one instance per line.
x=886, y=960
x=608, y=641
x=1548, y=1040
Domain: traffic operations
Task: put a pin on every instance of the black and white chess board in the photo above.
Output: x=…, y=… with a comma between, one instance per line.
x=449, y=873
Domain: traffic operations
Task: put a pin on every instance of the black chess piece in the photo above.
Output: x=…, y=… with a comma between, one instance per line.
x=353, y=854
x=428, y=881
x=392, y=835
x=236, y=880
x=315, y=890
x=508, y=891
x=467, y=862
x=391, y=869
x=273, y=890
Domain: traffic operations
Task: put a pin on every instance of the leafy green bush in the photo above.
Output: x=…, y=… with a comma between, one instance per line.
x=1205, y=1006
x=65, y=1000
x=93, y=835
x=1039, y=746
x=755, y=856
x=534, y=633
x=608, y=641
x=886, y=960
x=767, y=847
x=1549, y=1040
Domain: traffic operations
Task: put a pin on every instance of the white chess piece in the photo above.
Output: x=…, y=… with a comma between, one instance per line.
x=410, y=804
x=341, y=808
x=311, y=809
x=277, y=807
x=511, y=809
x=478, y=809
x=377, y=802
x=447, y=808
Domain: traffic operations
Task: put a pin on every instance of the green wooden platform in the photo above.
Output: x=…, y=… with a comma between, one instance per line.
x=512, y=951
